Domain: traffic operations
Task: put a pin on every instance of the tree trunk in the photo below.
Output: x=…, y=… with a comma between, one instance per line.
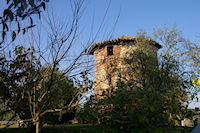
x=37, y=128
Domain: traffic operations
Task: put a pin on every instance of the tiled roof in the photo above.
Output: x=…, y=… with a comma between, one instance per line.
x=114, y=41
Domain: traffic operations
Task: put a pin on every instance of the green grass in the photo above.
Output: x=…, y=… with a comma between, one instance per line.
x=93, y=129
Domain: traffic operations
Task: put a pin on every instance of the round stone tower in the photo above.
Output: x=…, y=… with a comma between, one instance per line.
x=108, y=60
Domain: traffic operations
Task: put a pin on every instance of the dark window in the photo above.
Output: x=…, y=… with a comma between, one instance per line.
x=109, y=50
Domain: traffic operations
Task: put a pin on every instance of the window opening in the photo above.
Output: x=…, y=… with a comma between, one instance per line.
x=109, y=50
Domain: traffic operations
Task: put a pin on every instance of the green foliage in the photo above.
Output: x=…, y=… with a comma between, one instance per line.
x=23, y=82
x=185, y=52
x=19, y=10
x=17, y=73
x=89, y=113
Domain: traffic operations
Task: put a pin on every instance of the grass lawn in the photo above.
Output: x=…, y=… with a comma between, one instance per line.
x=79, y=128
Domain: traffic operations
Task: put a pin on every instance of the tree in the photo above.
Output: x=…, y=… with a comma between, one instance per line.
x=184, y=51
x=30, y=78
x=17, y=11
x=191, y=59
x=24, y=80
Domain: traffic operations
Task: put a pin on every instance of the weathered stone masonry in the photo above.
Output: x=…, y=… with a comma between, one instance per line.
x=108, y=60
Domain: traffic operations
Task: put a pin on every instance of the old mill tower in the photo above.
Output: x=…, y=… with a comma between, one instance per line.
x=108, y=59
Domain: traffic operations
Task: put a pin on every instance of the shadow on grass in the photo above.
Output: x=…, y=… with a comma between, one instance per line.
x=95, y=129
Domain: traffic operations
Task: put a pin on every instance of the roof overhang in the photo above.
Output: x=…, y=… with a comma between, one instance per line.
x=116, y=41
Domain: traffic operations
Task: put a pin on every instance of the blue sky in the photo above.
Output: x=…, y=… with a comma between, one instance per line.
x=137, y=14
